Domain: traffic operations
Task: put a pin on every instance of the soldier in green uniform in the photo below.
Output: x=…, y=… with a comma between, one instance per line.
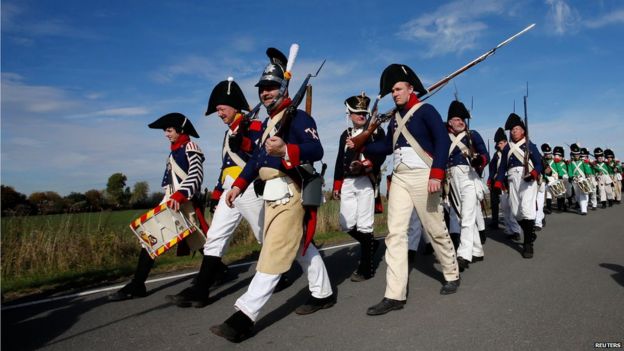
x=603, y=176
x=577, y=170
x=560, y=168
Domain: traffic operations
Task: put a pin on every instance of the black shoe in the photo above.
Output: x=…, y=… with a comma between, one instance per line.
x=359, y=277
x=583, y=213
x=528, y=251
x=129, y=291
x=450, y=287
x=314, y=304
x=594, y=208
x=477, y=259
x=547, y=211
x=236, y=328
x=493, y=225
x=514, y=236
x=189, y=297
x=604, y=204
x=386, y=305
x=537, y=229
x=462, y=263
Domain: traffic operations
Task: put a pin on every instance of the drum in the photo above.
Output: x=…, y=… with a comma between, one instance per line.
x=161, y=228
x=557, y=188
x=584, y=184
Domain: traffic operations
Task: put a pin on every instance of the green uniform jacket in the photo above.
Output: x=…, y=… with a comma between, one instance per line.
x=559, y=167
x=603, y=168
x=578, y=168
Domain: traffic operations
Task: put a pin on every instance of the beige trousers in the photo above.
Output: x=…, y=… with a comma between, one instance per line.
x=409, y=192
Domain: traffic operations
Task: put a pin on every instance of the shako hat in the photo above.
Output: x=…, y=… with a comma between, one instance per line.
x=457, y=109
x=575, y=149
x=546, y=148
x=358, y=103
x=500, y=135
x=227, y=92
x=175, y=120
x=558, y=151
x=514, y=120
x=609, y=153
x=598, y=152
x=584, y=151
x=399, y=73
x=273, y=73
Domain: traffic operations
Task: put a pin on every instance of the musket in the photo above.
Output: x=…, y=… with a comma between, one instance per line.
x=308, y=108
x=376, y=120
x=527, y=153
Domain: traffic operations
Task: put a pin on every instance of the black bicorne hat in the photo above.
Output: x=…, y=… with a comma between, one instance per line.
x=514, y=120
x=500, y=135
x=558, y=150
x=175, y=120
x=358, y=103
x=598, y=152
x=399, y=73
x=457, y=109
x=609, y=153
x=546, y=148
x=575, y=149
x=227, y=92
x=273, y=73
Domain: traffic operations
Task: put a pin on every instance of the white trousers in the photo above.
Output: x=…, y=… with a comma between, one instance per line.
x=604, y=188
x=522, y=195
x=511, y=225
x=357, y=204
x=415, y=232
x=581, y=198
x=593, y=197
x=262, y=285
x=541, y=196
x=463, y=179
x=226, y=219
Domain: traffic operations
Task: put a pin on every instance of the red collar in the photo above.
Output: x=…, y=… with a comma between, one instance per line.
x=183, y=139
x=236, y=122
x=413, y=100
x=285, y=103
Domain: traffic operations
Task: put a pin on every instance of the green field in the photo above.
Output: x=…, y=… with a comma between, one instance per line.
x=69, y=251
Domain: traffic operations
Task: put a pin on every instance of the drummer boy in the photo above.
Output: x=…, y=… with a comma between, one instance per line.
x=182, y=183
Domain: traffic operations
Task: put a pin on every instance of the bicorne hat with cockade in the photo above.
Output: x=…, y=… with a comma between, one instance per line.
x=273, y=74
x=227, y=92
x=546, y=148
x=399, y=73
x=575, y=149
x=177, y=121
x=598, y=152
x=358, y=103
x=558, y=151
x=457, y=109
x=500, y=135
x=514, y=120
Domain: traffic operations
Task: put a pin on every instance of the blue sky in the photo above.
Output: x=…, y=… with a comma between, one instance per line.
x=82, y=79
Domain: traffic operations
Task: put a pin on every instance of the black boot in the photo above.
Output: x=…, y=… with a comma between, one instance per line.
x=368, y=246
x=198, y=295
x=610, y=203
x=462, y=263
x=548, y=208
x=560, y=204
x=456, y=239
x=529, y=237
x=236, y=328
x=482, y=237
x=604, y=204
x=136, y=287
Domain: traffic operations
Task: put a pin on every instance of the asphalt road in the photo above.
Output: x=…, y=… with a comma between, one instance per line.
x=568, y=297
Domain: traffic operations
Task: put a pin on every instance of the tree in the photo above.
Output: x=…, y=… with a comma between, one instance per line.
x=140, y=192
x=47, y=202
x=95, y=200
x=154, y=199
x=12, y=200
x=116, y=190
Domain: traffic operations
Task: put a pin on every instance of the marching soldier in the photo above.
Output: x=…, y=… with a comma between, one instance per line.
x=560, y=167
x=501, y=195
x=467, y=156
x=591, y=175
x=417, y=137
x=355, y=178
x=522, y=176
x=541, y=188
x=616, y=175
x=605, y=182
x=578, y=170
x=182, y=183
x=228, y=101
x=289, y=140
x=550, y=176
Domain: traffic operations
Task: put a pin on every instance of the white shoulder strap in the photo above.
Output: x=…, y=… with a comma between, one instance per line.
x=408, y=136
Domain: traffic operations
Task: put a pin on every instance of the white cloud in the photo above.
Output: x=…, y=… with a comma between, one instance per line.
x=562, y=17
x=39, y=99
x=610, y=18
x=453, y=27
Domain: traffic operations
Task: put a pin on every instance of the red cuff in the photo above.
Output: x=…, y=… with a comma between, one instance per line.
x=436, y=173
x=535, y=174
x=255, y=126
x=483, y=161
x=293, y=156
x=498, y=185
x=216, y=194
x=240, y=183
x=338, y=184
x=246, y=145
x=179, y=197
